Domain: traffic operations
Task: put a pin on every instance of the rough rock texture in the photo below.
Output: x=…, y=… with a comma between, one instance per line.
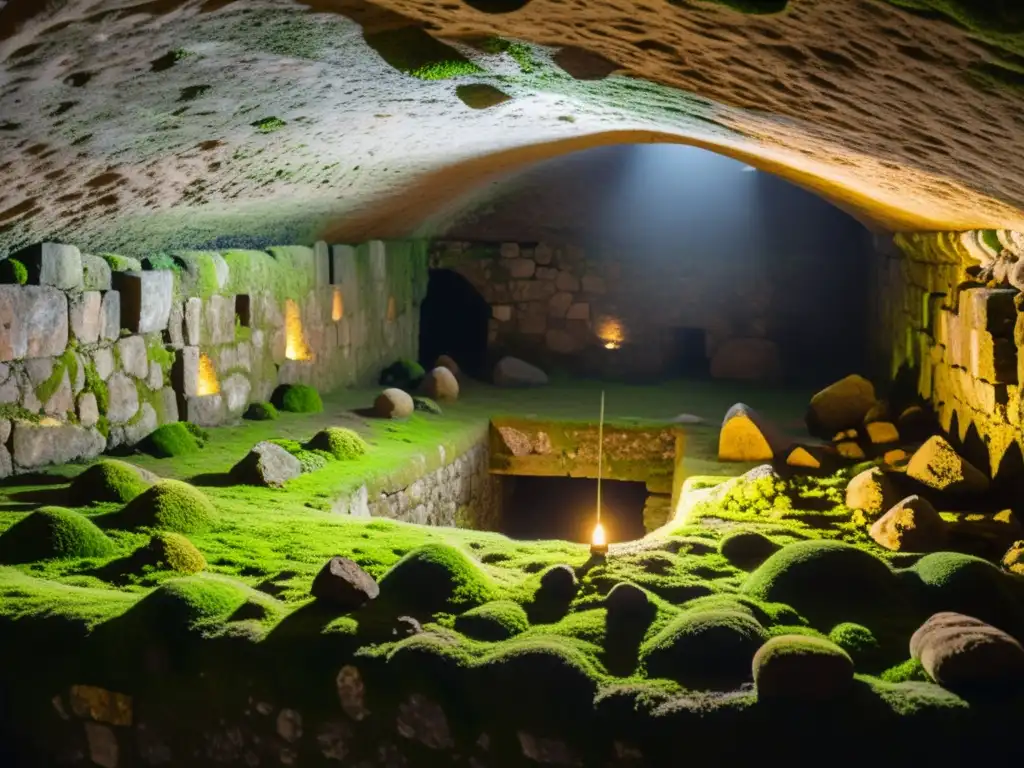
x=912, y=525
x=441, y=384
x=513, y=372
x=959, y=651
x=873, y=491
x=37, y=445
x=33, y=322
x=745, y=436
x=840, y=406
x=939, y=466
x=343, y=584
x=393, y=404
x=267, y=464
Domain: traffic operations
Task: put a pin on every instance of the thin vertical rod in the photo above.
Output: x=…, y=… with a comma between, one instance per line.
x=600, y=455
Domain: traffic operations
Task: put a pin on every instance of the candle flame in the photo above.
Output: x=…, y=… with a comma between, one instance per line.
x=598, y=539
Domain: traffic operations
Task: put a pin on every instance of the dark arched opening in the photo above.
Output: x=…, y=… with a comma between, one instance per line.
x=453, y=322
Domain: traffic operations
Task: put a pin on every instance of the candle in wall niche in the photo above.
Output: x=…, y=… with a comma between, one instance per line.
x=295, y=340
x=599, y=539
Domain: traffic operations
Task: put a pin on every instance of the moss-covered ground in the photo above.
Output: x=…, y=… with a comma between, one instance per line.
x=671, y=657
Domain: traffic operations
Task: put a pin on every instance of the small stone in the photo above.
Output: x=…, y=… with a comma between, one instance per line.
x=140, y=427
x=175, y=336
x=5, y=430
x=558, y=305
x=959, y=651
x=103, y=360
x=542, y=253
x=101, y=705
x=62, y=400
x=132, y=352
x=88, y=410
x=501, y=312
x=548, y=751
x=122, y=399
x=912, y=525
x=513, y=372
x=235, y=389
x=267, y=464
x=204, y=410
x=333, y=739
x=745, y=436
x=193, y=321
x=872, y=491
x=687, y=418
x=803, y=668
x=914, y=423
x=85, y=316
x=840, y=406
x=559, y=583
x=264, y=708
x=879, y=412
x=352, y=692
x=939, y=466
x=394, y=404
x=423, y=720
x=103, y=749
x=882, y=432
x=446, y=361
x=441, y=384
x=851, y=450
x=801, y=457
x=110, y=316
x=289, y=725
x=343, y=584
x=219, y=320
x=53, y=264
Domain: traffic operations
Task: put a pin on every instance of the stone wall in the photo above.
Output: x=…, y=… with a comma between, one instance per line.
x=950, y=325
x=97, y=352
x=637, y=314
x=462, y=494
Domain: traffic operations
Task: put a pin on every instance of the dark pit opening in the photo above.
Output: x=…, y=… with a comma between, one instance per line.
x=454, y=321
x=564, y=508
x=690, y=350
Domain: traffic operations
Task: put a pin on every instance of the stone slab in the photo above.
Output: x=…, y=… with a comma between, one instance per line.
x=38, y=445
x=33, y=322
x=84, y=313
x=145, y=299
x=110, y=316
x=53, y=264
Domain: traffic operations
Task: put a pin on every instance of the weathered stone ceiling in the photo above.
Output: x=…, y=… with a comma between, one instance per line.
x=142, y=125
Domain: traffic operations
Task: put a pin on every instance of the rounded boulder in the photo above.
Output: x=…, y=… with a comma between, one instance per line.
x=441, y=384
x=393, y=404
x=801, y=667
x=959, y=651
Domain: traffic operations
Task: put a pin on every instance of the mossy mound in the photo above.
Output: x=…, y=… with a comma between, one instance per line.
x=826, y=581
x=705, y=649
x=433, y=578
x=173, y=552
x=53, y=533
x=747, y=549
x=950, y=581
x=260, y=412
x=341, y=443
x=169, y=505
x=178, y=438
x=802, y=667
x=297, y=398
x=856, y=640
x=183, y=606
x=402, y=374
x=498, y=620
x=765, y=613
x=108, y=480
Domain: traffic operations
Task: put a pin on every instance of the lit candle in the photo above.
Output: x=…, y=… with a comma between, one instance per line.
x=598, y=541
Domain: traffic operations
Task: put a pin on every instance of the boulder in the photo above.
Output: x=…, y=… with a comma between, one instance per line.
x=219, y=320
x=513, y=372
x=802, y=458
x=53, y=264
x=840, y=406
x=747, y=360
x=447, y=361
x=145, y=299
x=937, y=464
x=267, y=464
x=49, y=442
x=882, y=432
x=912, y=525
x=204, y=410
x=33, y=322
x=136, y=430
x=343, y=584
x=95, y=273
x=801, y=667
x=103, y=361
x=959, y=651
x=873, y=491
x=745, y=436
x=235, y=389
x=393, y=404
x=441, y=384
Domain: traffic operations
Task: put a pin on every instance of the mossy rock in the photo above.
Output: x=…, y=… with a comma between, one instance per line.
x=826, y=581
x=53, y=533
x=747, y=549
x=260, y=412
x=402, y=374
x=169, y=505
x=297, y=398
x=433, y=578
x=710, y=649
x=110, y=480
x=179, y=438
x=341, y=443
x=950, y=581
x=765, y=613
x=426, y=405
x=184, y=606
x=802, y=667
x=497, y=620
x=13, y=272
x=856, y=640
x=172, y=551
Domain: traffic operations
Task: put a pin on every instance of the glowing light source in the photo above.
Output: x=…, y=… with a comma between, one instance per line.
x=295, y=342
x=392, y=313
x=611, y=332
x=598, y=541
x=337, y=306
x=207, y=384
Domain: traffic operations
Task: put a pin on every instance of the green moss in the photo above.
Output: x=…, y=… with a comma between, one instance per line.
x=269, y=124
x=413, y=51
x=703, y=648
x=747, y=549
x=341, y=443
x=196, y=275
x=184, y=606
x=13, y=271
x=96, y=385
x=402, y=374
x=169, y=505
x=497, y=620
x=481, y=95
x=108, y=480
x=826, y=581
x=160, y=261
x=297, y=398
x=53, y=533
x=436, y=577
x=158, y=353
x=995, y=16
x=121, y=263
x=172, y=551
x=260, y=412
x=170, y=440
x=311, y=461
x=781, y=650
x=521, y=52
x=856, y=640
x=426, y=405
x=66, y=363
x=909, y=670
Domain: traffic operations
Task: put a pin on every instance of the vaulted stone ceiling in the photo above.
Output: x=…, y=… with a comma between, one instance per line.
x=171, y=123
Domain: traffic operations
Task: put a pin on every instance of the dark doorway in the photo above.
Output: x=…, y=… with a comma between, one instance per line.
x=690, y=352
x=564, y=507
x=453, y=322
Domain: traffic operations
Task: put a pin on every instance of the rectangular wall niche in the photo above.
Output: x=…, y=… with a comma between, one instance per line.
x=295, y=340
x=242, y=311
x=337, y=305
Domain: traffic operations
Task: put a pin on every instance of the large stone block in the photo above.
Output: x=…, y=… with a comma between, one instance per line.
x=131, y=350
x=206, y=411
x=322, y=263
x=95, y=273
x=33, y=321
x=110, y=316
x=135, y=431
x=219, y=320
x=123, y=398
x=85, y=316
x=62, y=401
x=175, y=334
x=343, y=265
x=169, y=403
x=145, y=299
x=991, y=358
x=103, y=361
x=235, y=389
x=53, y=264
x=193, y=321
x=185, y=372
x=50, y=442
